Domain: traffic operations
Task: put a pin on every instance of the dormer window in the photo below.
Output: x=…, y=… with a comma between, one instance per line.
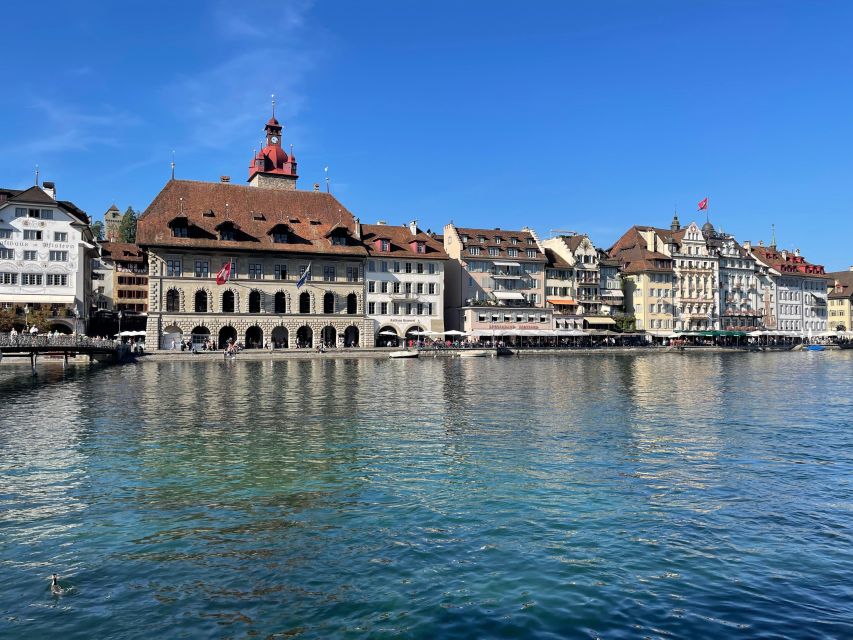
x=497, y=239
x=280, y=236
x=514, y=240
x=465, y=239
x=482, y=239
x=226, y=233
x=420, y=247
x=179, y=228
x=384, y=245
x=339, y=240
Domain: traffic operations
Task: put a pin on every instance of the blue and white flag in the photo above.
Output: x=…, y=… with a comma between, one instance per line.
x=304, y=277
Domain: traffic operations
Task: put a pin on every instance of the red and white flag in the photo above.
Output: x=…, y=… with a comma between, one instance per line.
x=223, y=275
x=703, y=204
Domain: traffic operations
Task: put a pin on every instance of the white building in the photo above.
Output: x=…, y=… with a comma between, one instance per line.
x=46, y=246
x=740, y=297
x=404, y=280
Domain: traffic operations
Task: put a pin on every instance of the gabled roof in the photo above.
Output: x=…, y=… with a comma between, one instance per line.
x=845, y=280
x=555, y=260
x=400, y=239
x=309, y=215
x=502, y=247
x=35, y=195
x=634, y=256
x=787, y=263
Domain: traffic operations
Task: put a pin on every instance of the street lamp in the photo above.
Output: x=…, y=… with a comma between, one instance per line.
x=26, y=317
x=76, y=319
x=120, y=314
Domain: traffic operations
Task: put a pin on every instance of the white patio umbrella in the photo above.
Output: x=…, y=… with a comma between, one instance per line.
x=389, y=333
x=455, y=332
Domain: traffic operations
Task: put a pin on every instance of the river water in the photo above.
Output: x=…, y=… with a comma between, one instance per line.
x=591, y=496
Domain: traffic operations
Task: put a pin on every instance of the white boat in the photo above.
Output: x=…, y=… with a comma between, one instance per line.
x=403, y=354
x=475, y=353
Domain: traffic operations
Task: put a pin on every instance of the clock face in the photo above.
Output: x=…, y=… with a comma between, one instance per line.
x=274, y=139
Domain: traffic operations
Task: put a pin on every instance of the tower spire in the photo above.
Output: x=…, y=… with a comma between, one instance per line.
x=173, y=164
x=675, y=225
x=273, y=105
x=773, y=236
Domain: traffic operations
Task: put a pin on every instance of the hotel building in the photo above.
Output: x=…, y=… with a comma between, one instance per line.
x=495, y=280
x=840, y=299
x=404, y=281
x=46, y=247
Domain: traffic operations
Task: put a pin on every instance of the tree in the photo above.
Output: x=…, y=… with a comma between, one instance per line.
x=626, y=323
x=127, y=228
x=97, y=229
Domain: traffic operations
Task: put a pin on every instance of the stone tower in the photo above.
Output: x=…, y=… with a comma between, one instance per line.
x=272, y=168
x=112, y=222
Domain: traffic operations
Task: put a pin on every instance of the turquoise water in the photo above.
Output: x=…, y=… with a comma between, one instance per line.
x=605, y=496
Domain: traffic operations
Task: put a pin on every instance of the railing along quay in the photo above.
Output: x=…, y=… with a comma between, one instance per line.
x=32, y=345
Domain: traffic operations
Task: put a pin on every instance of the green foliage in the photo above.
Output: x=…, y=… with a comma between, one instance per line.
x=127, y=228
x=8, y=319
x=626, y=323
x=97, y=229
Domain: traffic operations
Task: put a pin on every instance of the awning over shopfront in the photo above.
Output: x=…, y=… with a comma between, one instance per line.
x=612, y=293
x=499, y=263
x=507, y=295
x=561, y=301
x=600, y=321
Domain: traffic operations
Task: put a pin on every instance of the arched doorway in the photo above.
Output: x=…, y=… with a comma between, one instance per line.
x=351, y=337
x=200, y=335
x=201, y=301
x=304, y=338
x=173, y=301
x=279, y=338
x=228, y=302
x=304, y=302
x=352, y=304
x=329, y=303
x=279, y=303
x=410, y=334
x=254, y=338
x=388, y=337
x=329, y=336
x=226, y=334
x=172, y=336
x=255, y=302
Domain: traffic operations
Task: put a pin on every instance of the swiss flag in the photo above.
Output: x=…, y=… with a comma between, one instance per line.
x=224, y=273
x=703, y=204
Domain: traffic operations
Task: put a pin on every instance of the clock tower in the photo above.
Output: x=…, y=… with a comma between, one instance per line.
x=272, y=167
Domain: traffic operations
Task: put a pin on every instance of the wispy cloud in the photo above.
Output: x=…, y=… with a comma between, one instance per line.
x=221, y=103
x=66, y=127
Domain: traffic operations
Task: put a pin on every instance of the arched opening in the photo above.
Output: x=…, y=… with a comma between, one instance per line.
x=254, y=338
x=411, y=334
x=255, y=302
x=352, y=304
x=329, y=303
x=200, y=335
x=61, y=328
x=304, y=338
x=329, y=336
x=201, y=301
x=173, y=300
x=279, y=303
x=279, y=338
x=388, y=337
x=304, y=302
x=228, y=302
x=226, y=334
x=172, y=336
x=351, y=337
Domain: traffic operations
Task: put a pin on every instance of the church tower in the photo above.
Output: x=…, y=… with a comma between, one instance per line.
x=272, y=168
x=112, y=222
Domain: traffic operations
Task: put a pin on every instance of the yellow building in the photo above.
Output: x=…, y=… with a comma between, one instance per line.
x=648, y=275
x=840, y=286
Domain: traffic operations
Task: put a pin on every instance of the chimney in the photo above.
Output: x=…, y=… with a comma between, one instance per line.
x=747, y=245
x=316, y=187
x=380, y=222
x=797, y=252
x=851, y=268
x=357, y=233
x=761, y=243
x=413, y=227
x=49, y=188
x=784, y=254
x=224, y=179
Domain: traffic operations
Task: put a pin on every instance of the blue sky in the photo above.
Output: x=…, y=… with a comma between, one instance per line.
x=586, y=116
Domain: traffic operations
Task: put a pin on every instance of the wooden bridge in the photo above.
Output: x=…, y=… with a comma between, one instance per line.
x=26, y=345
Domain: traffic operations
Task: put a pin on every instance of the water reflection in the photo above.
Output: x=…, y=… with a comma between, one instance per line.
x=659, y=494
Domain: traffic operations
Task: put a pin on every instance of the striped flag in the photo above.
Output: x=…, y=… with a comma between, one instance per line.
x=305, y=275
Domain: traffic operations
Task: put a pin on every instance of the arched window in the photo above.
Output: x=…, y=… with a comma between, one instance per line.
x=329, y=303
x=280, y=302
x=201, y=301
x=173, y=300
x=255, y=302
x=228, y=302
x=304, y=302
x=352, y=304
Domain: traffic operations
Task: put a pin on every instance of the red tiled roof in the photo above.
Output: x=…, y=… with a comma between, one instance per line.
x=634, y=256
x=790, y=263
x=845, y=280
x=400, y=239
x=122, y=252
x=505, y=243
x=253, y=211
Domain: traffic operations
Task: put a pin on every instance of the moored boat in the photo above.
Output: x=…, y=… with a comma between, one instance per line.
x=475, y=353
x=403, y=354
